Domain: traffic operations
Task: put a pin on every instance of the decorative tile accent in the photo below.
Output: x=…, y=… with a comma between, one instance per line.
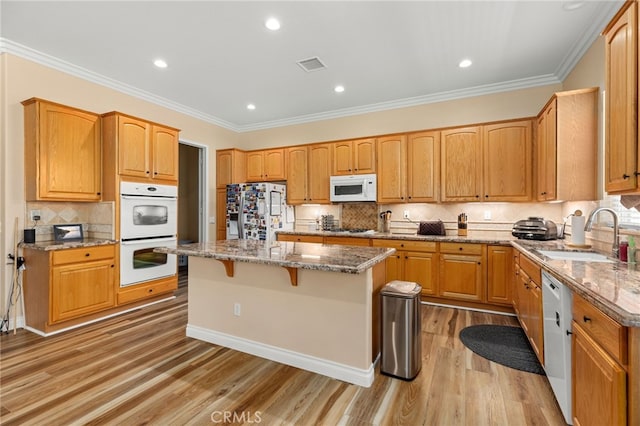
x=97, y=219
x=360, y=215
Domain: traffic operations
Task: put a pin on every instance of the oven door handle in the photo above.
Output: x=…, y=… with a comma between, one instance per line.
x=148, y=197
x=147, y=240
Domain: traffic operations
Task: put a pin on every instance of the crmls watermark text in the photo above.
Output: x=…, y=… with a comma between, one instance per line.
x=234, y=417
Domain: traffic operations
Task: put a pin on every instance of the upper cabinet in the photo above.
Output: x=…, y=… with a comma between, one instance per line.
x=461, y=164
x=63, y=153
x=566, y=147
x=354, y=157
x=146, y=152
x=297, y=171
x=319, y=171
x=266, y=165
x=622, y=163
x=392, y=169
x=231, y=167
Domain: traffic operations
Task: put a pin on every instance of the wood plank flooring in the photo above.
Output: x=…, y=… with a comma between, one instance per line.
x=139, y=368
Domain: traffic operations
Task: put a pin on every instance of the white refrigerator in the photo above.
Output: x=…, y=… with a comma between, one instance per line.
x=255, y=211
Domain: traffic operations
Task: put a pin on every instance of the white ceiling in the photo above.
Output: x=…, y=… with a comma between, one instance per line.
x=386, y=54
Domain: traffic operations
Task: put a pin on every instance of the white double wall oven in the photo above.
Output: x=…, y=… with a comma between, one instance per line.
x=148, y=219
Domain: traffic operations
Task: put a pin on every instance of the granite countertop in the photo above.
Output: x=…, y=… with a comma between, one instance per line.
x=482, y=237
x=614, y=287
x=333, y=258
x=60, y=245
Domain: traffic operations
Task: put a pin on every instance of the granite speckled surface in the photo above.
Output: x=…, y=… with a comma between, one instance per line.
x=478, y=238
x=614, y=288
x=333, y=258
x=57, y=245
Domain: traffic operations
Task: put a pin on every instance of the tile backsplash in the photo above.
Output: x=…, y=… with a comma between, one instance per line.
x=97, y=219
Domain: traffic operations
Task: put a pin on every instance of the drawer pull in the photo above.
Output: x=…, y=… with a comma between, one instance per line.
x=87, y=254
x=586, y=318
x=460, y=248
x=150, y=290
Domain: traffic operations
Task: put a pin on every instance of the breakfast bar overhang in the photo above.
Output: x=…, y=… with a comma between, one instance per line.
x=311, y=306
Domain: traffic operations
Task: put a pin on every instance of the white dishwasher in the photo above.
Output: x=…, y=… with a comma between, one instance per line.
x=556, y=309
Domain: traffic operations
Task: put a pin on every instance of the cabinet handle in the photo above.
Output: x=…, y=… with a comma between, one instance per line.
x=477, y=196
x=406, y=257
x=586, y=318
x=402, y=245
x=155, y=173
x=460, y=248
x=113, y=266
x=625, y=176
x=98, y=193
x=479, y=263
x=409, y=197
x=636, y=174
x=543, y=193
x=87, y=254
x=486, y=195
x=147, y=172
x=150, y=290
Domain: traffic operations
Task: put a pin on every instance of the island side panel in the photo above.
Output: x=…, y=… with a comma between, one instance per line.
x=379, y=276
x=328, y=315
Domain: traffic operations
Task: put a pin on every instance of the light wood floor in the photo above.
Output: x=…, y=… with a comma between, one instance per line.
x=139, y=368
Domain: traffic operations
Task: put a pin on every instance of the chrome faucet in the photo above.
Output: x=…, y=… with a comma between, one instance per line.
x=615, y=248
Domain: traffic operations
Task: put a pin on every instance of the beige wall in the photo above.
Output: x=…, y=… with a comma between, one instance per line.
x=22, y=79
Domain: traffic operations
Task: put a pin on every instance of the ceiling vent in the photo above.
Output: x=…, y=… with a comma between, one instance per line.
x=311, y=64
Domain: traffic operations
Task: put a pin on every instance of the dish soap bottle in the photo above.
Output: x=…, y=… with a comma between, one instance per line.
x=631, y=251
x=622, y=253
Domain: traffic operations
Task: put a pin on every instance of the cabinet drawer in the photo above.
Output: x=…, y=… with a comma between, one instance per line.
x=60, y=257
x=348, y=241
x=533, y=270
x=142, y=291
x=460, y=248
x=301, y=238
x=604, y=330
x=424, y=246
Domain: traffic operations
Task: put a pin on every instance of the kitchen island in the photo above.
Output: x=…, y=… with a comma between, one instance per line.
x=312, y=306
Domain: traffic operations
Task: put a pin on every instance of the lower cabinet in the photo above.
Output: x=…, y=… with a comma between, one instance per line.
x=528, y=302
x=599, y=379
x=413, y=261
x=462, y=271
x=62, y=285
x=499, y=267
x=146, y=290
x=301, y=238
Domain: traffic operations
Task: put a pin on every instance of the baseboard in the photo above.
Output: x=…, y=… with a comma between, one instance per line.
x=316, y=365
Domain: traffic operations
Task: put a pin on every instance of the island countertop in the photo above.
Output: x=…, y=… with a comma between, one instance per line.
x=323, y=257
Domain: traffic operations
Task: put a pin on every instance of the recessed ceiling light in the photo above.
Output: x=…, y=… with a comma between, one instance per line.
x=160, y=63
x=251, y=107
x=339, y=89
x=465, y=63
x=273, y=24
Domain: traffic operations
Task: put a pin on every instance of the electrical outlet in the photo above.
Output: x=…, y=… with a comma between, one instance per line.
x=487, y=215
x=34, y=214
x=236, y=309
x=405, y=214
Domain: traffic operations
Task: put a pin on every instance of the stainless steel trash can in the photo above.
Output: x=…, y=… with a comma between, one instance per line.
x=401, y=353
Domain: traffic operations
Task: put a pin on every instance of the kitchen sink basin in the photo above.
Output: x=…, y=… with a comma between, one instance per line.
x=578, y=256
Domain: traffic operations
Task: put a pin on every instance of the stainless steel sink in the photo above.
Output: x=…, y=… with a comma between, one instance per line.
x=577, y=256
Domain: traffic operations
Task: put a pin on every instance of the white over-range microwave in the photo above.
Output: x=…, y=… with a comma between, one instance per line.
x=353, y=188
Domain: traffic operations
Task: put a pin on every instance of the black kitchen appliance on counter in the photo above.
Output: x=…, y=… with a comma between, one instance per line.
x=535, y=228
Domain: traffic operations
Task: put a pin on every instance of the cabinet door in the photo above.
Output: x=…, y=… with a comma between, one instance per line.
x=392, y=158
x=507, y=161
x=423, y=167
x=255, y=166
x=230, y=167
x=319, y=173
x=134, y=147
x=65, y=163
x=296, y=175
x=79, y=289
x=599, y=389
x=348, y=241
x=342, y=158
x=621, y=148
x=421, y=268
x=221, y=213
x=536, y=321
x=547, y=153
x=499, y=276
x=394, y=264
x=274, y=165
x=364, y=156
x=461, y=277
x=461, y=164
x=165, y=153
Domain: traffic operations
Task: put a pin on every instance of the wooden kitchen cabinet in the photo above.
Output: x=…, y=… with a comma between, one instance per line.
x=507, y=161
x=622, y=156
x=63, y=285
x=461, y=164
x=354, y=157
x=63, y=152
x=392, y=169
x=499, y=275
x=462, y=271
x=347, y=241
x=319, y=172
x=529, y=303
x=145, y=151
x=146, y=290
x=297, y=171
x=423, y=167
x=301, y=238
x=266, y=165
x=566, y=151
x=413, y=261
x=599, y=357
x=231, y=167
x=221, y=213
